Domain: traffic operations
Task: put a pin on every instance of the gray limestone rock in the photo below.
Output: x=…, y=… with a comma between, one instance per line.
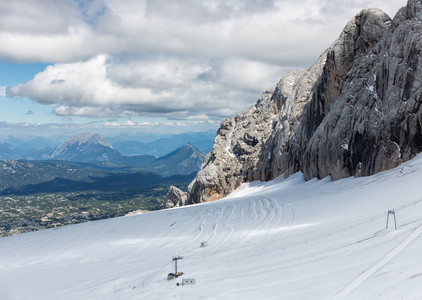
x=175, y=197
x=356, y=111
x=376, y=122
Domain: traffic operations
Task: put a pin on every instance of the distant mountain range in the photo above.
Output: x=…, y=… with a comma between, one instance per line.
x=42, y=148
x=95, y=152
x=161, y=145
x=185, y=160
x=87, y=161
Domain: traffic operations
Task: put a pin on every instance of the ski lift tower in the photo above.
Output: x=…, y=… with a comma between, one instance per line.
x=175, y=259
x=176, y=273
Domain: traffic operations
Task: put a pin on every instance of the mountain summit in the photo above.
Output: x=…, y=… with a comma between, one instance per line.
x=355, y=112
x=184, y=160
x=86, y=147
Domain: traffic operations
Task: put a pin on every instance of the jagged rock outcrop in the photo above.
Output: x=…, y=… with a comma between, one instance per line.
x=376, y=122
x=175, y=197
x=356, y=111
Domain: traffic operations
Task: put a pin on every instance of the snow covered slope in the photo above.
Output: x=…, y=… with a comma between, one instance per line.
x=284, y=239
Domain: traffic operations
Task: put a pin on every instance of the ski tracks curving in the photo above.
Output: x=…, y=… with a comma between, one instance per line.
x=255, y=220
x=270, y=221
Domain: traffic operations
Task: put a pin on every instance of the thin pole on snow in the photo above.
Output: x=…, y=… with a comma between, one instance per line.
x=391, y=212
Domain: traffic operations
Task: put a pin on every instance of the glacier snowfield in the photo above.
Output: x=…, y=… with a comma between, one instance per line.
x=284, y=239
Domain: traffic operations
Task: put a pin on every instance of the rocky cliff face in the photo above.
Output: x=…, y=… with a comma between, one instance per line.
x=375, y=123
x=356, y=111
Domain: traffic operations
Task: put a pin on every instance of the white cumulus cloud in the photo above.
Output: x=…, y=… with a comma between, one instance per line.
x=179, y=59
x=177, y=87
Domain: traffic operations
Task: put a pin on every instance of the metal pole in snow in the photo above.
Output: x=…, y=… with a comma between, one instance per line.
x=395, y=223
x=391, y=212
x=388, y=215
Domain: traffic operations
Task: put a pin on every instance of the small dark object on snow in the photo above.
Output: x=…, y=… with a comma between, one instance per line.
x=177, y=274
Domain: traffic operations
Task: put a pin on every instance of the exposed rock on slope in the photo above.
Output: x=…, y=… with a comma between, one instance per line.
x=175, y=197
x=356, y=111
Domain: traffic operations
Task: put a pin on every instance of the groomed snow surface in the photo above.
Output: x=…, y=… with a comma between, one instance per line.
x=284, y=239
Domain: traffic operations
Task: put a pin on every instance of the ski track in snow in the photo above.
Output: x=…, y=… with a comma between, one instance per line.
x=200, y=228
x=276, y=217
x=267, y=221
x=226, y=224
x=249, y=223
x=214, y=224
x=262, y=224
x=372, y=270
x=251, y=232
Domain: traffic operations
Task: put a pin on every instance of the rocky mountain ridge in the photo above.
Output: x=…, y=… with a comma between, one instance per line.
x=184, y=160
x=355, y=112
x=86, y=147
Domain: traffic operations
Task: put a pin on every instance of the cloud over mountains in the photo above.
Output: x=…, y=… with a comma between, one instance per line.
x=149, y=85
x=179, y=59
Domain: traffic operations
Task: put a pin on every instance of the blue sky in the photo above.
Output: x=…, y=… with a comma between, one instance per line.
x=14, y=110
x=148, y=64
